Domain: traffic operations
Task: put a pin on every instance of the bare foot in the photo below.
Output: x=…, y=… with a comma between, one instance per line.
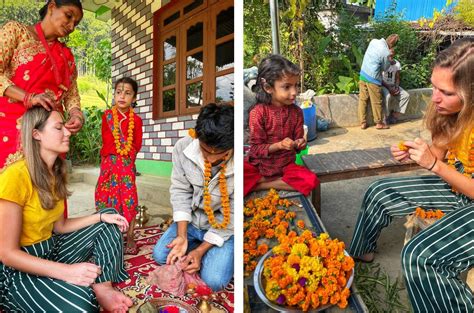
x=366, y=258
x=111, y=299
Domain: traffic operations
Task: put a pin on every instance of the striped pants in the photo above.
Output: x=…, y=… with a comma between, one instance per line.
x=100, y=243
x=433, y=260
x=398, y=197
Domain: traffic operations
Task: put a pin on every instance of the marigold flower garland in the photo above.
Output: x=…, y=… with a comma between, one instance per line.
x=127, y=146
x=224, y=196
x=437, y=214
x=453, y=154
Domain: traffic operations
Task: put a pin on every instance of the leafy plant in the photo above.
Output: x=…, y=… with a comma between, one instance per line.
x=85, y=145
x=379, y=292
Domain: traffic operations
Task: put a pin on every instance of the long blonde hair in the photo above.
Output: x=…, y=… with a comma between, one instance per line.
x=446, y=130
x=51, y=187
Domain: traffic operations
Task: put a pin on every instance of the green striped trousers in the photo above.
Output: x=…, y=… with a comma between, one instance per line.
x=398, y=197
x=433, y=260
x=100, y=243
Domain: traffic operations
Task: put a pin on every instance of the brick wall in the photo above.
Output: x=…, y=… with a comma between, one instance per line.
x=132, y=55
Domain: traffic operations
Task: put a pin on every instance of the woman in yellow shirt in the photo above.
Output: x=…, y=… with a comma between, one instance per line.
x=49, y=263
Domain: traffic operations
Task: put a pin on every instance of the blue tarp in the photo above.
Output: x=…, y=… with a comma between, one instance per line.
x=412, y=9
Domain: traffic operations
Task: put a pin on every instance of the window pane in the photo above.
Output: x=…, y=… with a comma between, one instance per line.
x=194, y=95
x=225, y=23
x=192, y=6
x=194, y=64
x=225, y=88
x=169, y=102
x=225, y=55
x=194, y=36
x=169, y=74
x=171, y=18
x=169, y=48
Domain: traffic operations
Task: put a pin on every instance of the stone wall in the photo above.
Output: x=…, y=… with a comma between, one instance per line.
x=341, y=110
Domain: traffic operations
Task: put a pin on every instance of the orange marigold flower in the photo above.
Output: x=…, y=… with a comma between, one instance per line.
x=402, y=147
x=269, y=233
x=262, y=249
x=300, y=224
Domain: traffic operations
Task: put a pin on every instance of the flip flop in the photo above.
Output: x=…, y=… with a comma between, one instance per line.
x=363, y=125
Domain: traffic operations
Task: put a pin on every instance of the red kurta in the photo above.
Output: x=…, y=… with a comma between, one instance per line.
x=116, y=186
x=270, y=124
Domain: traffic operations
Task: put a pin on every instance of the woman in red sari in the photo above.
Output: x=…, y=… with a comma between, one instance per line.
x=37, y=70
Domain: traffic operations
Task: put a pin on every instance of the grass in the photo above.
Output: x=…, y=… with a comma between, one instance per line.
x=379, y=292
x=88, y=87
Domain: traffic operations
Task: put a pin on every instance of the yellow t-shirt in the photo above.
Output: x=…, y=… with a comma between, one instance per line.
x=16, y=186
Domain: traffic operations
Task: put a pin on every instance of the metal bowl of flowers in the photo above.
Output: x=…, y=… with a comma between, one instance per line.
x=308, y=273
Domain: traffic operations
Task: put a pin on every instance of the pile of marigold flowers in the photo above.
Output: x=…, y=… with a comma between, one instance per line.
x=308, y=271
x=437, y=214
x=266, y=217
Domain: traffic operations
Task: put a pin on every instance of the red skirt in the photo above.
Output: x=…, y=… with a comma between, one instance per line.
x=298, y=177
x=116, y=186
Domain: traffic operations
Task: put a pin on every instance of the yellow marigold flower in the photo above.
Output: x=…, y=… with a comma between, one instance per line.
x=300, y=249
x=402, y=147
x=272, y=290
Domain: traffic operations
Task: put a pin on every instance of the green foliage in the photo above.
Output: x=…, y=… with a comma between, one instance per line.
x=379, y=292
x=85, y=145
x=367, y=3
x=257, y=37
x=23, y=11
x=464, y=11
x=331, y=59
x=89, y=87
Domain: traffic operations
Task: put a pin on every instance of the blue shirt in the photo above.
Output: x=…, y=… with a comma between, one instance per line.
x=375, y=61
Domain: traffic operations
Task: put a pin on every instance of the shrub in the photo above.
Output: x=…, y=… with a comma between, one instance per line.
x=85, y=145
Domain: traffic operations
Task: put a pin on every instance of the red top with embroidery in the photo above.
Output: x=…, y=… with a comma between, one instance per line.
x=108, y=141
x=269, y=124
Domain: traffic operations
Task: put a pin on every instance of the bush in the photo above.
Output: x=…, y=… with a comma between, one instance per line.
x=85, y=145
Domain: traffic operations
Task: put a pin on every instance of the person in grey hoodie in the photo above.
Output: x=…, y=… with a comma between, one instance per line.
x=376, y=60
x=201, y=194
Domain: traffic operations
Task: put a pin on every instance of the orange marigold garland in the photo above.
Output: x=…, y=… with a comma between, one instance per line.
x=453, y=154
x=127, y=146
x=192, y=133
x=224, y=196
x=437, y=214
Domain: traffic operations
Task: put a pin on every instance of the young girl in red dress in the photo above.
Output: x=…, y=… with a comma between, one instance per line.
x=121, y=141
x=276, y=131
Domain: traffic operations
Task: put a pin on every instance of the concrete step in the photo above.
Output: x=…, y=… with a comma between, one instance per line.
x=152, y=190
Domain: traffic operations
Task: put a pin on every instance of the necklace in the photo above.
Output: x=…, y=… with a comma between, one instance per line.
x=131, y=124
x=224, y=196
x=464, y=152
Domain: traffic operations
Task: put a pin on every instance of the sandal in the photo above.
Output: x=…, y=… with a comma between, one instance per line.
x=363, y=125
x=382, y=126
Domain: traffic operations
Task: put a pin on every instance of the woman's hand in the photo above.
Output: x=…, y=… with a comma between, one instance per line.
x=178, y=247
x=82, y=274
x=75, y=122
x=420, y=152
x=399, y=155
x=193, y=261
x=43, y=100
x=116, y=219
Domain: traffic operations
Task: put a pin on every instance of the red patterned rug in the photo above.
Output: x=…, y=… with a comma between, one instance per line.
x=141, y=263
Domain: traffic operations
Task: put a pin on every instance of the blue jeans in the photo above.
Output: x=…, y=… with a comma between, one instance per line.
x=217, y=265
